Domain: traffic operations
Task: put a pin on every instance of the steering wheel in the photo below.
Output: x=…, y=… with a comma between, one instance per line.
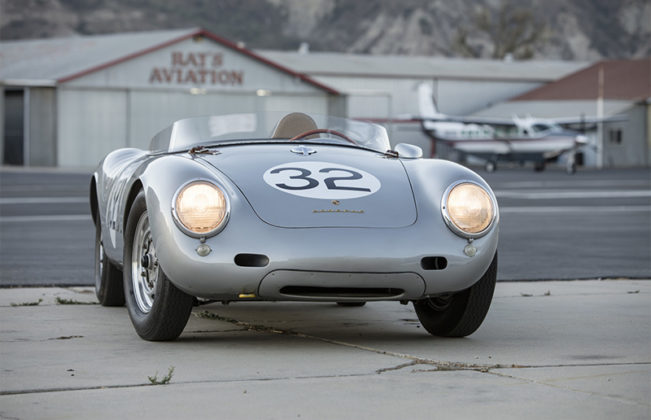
x=320, y=131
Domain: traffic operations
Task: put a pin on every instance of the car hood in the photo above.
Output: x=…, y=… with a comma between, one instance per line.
x=299, y=186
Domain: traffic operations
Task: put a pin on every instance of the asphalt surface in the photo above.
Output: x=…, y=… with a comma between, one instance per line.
x=594, y=224
x=547, y=350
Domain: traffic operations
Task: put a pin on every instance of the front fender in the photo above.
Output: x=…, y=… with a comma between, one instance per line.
x=160, y=182
x=430, y=178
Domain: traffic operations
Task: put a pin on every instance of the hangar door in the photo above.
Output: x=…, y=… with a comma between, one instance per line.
x=91, y=124
x=152, y=111
x=94, y=122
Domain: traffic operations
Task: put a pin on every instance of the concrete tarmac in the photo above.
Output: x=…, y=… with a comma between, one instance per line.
x=547, y=350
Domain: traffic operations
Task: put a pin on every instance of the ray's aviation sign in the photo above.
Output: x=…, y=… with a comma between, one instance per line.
x=196, y=68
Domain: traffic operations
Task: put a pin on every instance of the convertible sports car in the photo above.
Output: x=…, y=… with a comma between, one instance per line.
x=247, y=207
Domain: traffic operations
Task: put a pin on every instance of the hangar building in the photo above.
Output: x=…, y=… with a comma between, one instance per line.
x=609, y=88
x=384, y=88
x=70, y=101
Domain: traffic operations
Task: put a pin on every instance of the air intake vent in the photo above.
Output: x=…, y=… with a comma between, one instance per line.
x=251, y=260
x=433, y=263
x=337, y=292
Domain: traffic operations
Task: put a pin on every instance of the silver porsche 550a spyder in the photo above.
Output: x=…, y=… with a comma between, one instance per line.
x=249, y=207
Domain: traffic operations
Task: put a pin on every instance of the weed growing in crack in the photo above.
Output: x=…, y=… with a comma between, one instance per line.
x=36, y=303
x=164, y=380
x=208, y=315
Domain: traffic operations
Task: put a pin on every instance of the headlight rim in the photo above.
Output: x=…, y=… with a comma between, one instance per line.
x=448, y=220
x=222, y=224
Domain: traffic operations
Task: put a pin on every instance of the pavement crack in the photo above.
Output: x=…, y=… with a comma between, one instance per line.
x=414, y=360
x=66, y=337
x=399, y=367
x=438, y=366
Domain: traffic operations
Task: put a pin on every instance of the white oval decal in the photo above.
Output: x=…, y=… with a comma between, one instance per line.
x=321, y=180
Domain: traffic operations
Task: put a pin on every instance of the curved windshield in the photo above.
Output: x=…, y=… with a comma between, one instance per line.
x=268, y=128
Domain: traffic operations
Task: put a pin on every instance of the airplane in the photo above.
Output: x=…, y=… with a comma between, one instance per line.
x=528, y=139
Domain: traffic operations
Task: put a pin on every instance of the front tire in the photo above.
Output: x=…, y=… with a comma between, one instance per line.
x=461, y=313
x=158, y=310
x=108, y=278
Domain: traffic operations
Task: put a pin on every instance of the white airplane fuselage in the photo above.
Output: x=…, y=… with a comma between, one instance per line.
x=524, y=137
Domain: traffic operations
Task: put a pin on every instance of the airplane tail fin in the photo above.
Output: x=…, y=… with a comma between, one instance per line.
x=426, y=104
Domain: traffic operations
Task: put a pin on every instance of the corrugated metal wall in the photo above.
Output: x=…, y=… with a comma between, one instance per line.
x=383, y=97
x=93, y=122
x=623, y=141
x=42, y=126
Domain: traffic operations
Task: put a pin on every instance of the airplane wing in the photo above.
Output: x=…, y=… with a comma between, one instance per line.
x=587, y=119
x=469, y=120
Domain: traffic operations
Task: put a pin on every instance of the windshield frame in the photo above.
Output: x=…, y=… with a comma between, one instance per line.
x=257, y=128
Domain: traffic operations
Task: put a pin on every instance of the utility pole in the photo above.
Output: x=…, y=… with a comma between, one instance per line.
x=600, y=115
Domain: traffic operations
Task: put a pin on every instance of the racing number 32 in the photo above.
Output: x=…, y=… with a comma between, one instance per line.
x=312, y=183
x=330, y=182
x=321, y=180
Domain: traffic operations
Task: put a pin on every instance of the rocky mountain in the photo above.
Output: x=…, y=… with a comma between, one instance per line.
x=552, y=29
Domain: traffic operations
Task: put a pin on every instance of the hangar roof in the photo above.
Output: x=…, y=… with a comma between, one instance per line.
x=625, y=83
x=622, y=79
x=362, y=65
x=46, y=62
x=554, y=109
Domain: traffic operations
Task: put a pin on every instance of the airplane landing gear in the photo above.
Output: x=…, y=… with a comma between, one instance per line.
x=570, y=166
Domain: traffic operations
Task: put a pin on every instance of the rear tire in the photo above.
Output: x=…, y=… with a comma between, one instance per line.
x=158, y=310
x=108, y=278
x=459, y=314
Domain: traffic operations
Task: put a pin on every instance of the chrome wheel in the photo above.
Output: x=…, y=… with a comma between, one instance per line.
x=144, y=265
x=158, y=310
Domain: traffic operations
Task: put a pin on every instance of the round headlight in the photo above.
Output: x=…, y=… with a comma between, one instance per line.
x=468, y=209
x=200, y=208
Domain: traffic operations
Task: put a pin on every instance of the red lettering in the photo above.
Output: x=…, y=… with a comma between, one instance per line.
x=191, y=60
x=190, y=76
x=177, y=58
x=203, y=73
x=154, y=76
x=167, y=74
x=238, y=77
x=202, y=59
x=199, y=74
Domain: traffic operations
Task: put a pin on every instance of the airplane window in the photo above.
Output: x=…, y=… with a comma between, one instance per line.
x=540, y=127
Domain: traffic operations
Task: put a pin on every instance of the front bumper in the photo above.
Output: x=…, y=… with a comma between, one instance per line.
x=342, y=262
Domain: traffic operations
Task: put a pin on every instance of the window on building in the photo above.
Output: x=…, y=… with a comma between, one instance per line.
x=615, y=136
